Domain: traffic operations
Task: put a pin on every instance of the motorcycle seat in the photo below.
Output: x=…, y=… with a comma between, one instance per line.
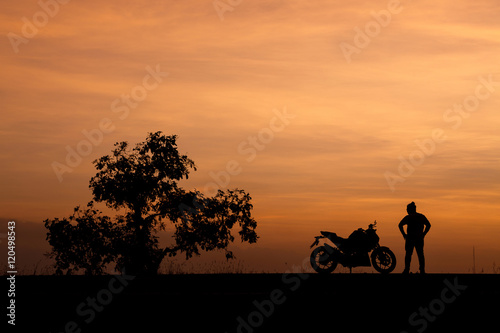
x=327, y=233
x=333, y=236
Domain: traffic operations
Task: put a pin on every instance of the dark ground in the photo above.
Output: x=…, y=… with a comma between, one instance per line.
x=259, y=303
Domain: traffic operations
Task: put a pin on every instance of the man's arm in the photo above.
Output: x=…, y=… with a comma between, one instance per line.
x=401, y=224
x=427, y=226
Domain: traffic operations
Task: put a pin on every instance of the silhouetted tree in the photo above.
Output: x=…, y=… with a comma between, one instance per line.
x=84, y=241
x=141, y=184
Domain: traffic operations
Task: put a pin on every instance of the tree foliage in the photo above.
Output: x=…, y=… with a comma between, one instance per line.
x=140, y=184
x=208, y=222
x=84, y=241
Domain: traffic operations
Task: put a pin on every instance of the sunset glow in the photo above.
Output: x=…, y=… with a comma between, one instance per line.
x=331, y=114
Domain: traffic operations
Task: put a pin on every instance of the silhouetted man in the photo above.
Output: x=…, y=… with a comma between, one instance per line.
x=415, y=233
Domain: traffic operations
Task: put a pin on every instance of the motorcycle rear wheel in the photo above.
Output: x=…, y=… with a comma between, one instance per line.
x=321, y=261
x=383, y=260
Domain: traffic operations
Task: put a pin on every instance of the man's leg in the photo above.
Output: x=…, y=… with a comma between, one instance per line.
x=419, y=247
x=409, y=251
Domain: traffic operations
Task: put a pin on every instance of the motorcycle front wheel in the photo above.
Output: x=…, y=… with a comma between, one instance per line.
x=383, y=260
x=321, y=260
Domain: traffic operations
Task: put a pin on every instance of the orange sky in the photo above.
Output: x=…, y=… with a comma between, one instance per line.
x=429, y=67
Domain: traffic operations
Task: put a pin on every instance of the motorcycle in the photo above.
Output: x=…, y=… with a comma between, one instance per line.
x=352, y=252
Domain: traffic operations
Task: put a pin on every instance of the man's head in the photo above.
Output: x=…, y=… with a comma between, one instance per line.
x=411, y=208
